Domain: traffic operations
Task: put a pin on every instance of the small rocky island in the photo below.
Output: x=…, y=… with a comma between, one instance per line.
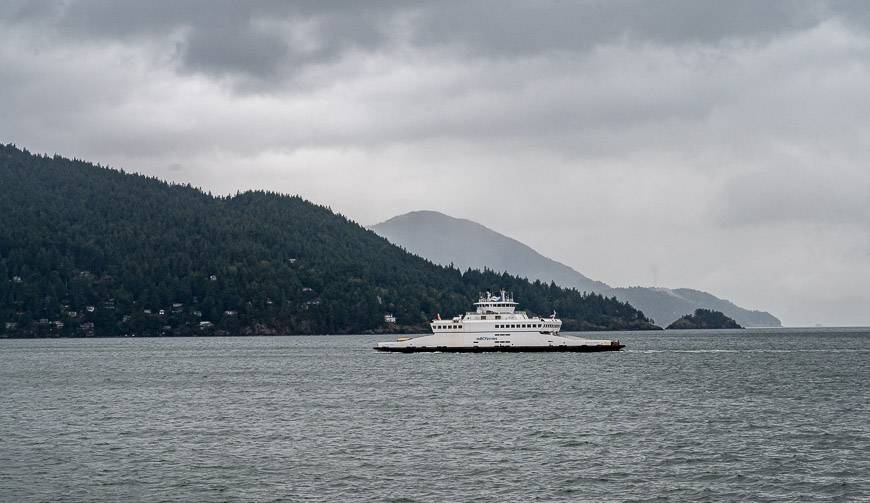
x=704, y=319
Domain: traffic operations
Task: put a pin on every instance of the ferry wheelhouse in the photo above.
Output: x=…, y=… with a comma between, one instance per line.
x=496, y=325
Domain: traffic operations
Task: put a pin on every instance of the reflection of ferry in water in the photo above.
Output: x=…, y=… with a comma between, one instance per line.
x=497, y=326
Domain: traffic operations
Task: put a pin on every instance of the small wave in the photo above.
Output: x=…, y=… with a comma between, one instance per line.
x=747, y=350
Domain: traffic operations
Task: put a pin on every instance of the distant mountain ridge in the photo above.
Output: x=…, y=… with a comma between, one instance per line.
x=466, y=244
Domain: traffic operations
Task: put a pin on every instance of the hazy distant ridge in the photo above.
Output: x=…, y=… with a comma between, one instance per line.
x=466, y=244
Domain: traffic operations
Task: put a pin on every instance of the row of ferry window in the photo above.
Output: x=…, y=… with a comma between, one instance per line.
x=509, y=325
x=525, y=325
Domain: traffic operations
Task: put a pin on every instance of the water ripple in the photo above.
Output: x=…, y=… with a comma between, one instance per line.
x=755, y=416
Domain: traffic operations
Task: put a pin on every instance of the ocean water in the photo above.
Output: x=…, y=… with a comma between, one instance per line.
x=716, y=416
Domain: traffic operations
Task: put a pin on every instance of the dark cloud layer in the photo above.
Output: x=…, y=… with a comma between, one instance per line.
x=250, y=38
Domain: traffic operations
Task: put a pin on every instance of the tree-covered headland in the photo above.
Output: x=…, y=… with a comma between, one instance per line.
x=86, y=250
x=703, y=319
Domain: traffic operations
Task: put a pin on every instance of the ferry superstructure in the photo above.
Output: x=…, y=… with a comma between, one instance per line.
x=496, y=325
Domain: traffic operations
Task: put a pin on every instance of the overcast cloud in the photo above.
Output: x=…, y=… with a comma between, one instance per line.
x=723, y=146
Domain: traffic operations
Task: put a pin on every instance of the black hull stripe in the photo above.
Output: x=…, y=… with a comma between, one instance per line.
x=504, y=349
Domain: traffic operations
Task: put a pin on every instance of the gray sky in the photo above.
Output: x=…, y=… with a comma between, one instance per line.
x=717, y=145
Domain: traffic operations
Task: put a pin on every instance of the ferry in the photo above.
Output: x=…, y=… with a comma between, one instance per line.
x=496, y=325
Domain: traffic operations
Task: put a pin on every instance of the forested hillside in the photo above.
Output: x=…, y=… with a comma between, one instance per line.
x=88, y=250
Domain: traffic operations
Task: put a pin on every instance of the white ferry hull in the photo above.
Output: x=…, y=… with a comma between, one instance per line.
x=475, y=343
x=505, y=349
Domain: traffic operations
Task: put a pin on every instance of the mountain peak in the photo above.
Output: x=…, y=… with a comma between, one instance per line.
x=466, y=244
